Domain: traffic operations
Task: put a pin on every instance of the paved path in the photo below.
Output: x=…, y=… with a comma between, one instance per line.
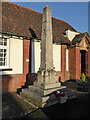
x=76, y=108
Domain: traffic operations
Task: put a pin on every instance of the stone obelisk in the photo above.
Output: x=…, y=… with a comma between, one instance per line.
x=46, y=75
x=47, y=81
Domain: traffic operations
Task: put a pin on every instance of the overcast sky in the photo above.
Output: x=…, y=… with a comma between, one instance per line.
x=75, y=13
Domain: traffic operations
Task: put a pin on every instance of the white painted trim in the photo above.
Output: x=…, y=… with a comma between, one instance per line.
x=67, y=66
x=71, y=34
x=57, y=57
x=7, y=48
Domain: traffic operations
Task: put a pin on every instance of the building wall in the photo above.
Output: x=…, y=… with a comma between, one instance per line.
x=36, y=56
x=70, y=34
x=14, y=57
x=68, y=67
x=78, y=64
x=74, y=63
x=11, y=82
x=88, y=73
x=64, y=62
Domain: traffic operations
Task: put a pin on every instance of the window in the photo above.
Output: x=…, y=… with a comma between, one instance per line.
x=3, y=52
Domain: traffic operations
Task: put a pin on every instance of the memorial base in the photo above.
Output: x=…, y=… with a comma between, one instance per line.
x=42, y=97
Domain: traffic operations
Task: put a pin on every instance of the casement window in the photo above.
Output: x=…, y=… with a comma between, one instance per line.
x=11, y=55
x=4, y=43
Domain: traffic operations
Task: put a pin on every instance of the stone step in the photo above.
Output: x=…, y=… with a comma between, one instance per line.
x=45, y=91
x=38, y=93
x=31, y=94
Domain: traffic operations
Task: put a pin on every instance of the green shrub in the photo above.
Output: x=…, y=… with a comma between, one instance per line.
x=83, y=77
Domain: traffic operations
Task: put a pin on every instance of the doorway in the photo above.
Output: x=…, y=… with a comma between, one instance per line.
x=83, y=61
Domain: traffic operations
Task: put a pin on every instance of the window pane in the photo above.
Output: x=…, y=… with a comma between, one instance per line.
x=1, y=64
x=1, y=59
x=1, y=39
x=1, y=50
x=1, y=55
x=1, y=43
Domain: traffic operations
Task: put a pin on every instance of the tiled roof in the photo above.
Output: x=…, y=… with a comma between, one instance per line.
x=18, y=19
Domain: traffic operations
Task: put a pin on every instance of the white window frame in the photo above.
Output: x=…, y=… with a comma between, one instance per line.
x=7, y=48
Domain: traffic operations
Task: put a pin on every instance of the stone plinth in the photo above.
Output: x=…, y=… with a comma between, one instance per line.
x=42, y=97
x=47, y=79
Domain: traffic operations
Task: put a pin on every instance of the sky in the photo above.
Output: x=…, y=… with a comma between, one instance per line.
x=75, y=13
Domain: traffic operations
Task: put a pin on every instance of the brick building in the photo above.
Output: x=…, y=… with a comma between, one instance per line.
x=20, y=47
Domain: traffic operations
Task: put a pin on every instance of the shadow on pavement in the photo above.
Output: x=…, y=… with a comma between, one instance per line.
x=74, y=108
x=11, y=107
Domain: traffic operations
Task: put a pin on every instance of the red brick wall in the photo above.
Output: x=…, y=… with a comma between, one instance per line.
x=12, y=82
x=88, y=73
x=72, y=63
x=75, y=63
x=86, y=64
x=64, y=73
x=78, y=63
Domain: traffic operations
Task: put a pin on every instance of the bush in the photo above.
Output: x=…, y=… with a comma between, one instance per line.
x=83, y=77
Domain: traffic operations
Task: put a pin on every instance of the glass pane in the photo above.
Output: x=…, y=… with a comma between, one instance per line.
x=1, y=59
x=1, y=39
x=1, y=55
x=1, y=64
x=1, y=43
x=1, y=50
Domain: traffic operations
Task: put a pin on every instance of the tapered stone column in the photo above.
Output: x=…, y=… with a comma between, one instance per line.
x=47, y=45
x=47, y=82
x=46, y=75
